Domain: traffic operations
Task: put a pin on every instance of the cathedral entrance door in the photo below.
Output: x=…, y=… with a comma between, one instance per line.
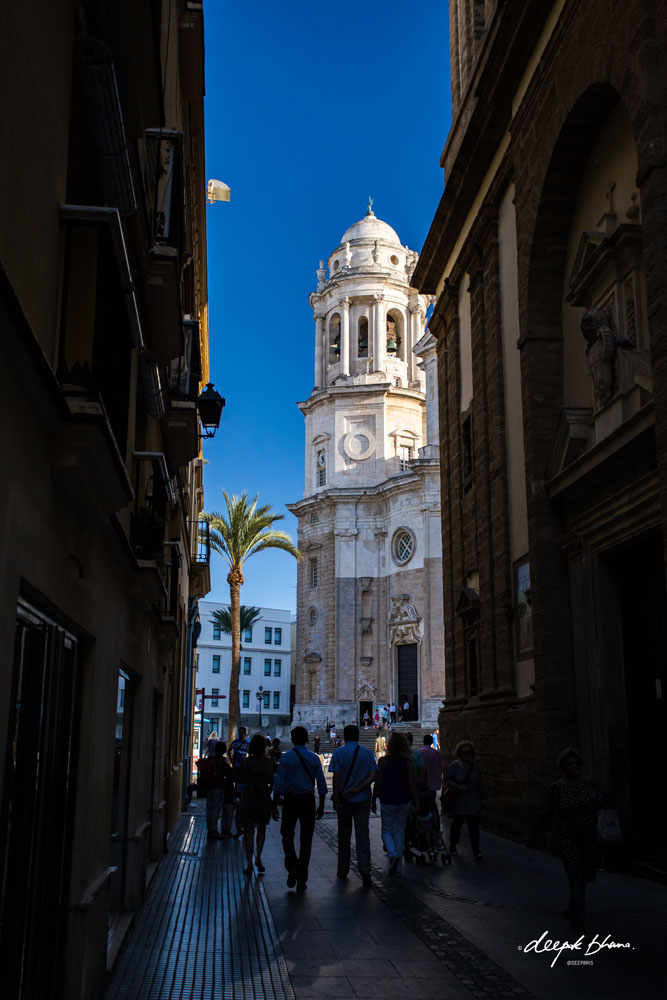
x=365, y=706
x=642, y=604
x=408, y=687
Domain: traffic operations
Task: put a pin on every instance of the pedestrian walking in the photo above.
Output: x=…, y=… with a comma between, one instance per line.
x=380, y=744
x=396, y=789
x=255, y=785
x=275, y=753
x=299, y=771
x=377, y=720
x=367, y=719
x=434, y=767
x=316, y=744
x=571, y=811
x=418, y=764
x=238, y=751
x=392, y=712
x=463, y=776
x=228, y=792
x=215, y=792
x=354, y=769
x=406, y=709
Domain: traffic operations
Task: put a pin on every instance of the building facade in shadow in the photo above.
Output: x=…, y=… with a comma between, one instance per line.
x=104, y=349
x=547, y=256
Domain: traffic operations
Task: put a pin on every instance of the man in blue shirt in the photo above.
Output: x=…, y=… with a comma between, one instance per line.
x=354, y=769
x=297, y=773
x=238, y=751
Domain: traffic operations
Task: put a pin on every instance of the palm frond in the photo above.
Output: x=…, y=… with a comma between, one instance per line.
x=223, y=619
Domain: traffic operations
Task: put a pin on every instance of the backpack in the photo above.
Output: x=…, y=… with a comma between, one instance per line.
x=207, y=768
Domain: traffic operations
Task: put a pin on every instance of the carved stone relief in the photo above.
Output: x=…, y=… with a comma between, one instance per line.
x=404, y=622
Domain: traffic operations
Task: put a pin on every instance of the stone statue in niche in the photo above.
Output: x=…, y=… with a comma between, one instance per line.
x=601, y=347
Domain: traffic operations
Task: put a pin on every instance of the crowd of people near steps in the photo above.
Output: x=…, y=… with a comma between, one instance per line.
x=248, y=783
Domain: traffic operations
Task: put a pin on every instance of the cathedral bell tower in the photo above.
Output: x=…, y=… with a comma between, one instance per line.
x=369, y=518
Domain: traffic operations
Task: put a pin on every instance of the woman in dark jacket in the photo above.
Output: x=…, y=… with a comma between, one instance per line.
x=464, y=778
x=571, y=812
x=256, y=785
x=396, y=789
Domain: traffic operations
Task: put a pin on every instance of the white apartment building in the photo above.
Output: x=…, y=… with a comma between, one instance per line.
x=264, y=678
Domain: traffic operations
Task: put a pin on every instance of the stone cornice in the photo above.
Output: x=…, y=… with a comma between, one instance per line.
x=403, y=483
x=321, y=396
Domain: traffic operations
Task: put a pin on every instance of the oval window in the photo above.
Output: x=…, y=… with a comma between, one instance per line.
x=403, y=546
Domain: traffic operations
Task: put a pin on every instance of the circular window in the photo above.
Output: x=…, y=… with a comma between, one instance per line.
x=312, y=616
x=403, y=545
x=394, y=259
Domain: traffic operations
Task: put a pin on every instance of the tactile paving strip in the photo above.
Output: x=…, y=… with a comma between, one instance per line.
x=474, y=970
x=205, y=931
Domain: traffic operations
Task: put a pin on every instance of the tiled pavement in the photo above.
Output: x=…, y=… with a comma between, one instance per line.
x=207, y=932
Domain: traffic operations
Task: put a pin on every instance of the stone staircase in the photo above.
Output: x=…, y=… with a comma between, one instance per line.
x=367, y=736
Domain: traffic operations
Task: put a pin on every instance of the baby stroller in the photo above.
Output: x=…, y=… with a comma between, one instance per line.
x=423, y=836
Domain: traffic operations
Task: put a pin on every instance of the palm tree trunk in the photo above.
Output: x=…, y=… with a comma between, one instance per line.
x=234, y=579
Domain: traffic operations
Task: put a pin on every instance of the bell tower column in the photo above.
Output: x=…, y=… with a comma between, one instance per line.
x=379, y=335
x=345, y=337
x=415, y=334
x=319, y=350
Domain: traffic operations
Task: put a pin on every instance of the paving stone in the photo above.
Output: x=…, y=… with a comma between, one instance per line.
x=322, y=986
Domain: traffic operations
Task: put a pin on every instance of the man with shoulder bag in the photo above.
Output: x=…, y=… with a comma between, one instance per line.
x=298, y=772
x=353, y=768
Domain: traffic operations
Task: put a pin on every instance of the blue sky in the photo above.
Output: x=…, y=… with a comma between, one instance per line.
x=310, y=108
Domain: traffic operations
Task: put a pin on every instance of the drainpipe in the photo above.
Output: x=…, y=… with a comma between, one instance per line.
x=193, y=633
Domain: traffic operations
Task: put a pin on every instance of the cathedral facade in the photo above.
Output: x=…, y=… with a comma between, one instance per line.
x=369, y=591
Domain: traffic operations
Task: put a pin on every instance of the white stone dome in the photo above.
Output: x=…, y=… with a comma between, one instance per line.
x=370, y=228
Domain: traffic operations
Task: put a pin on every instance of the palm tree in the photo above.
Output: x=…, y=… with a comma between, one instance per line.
x=244, y=530
x=223, y=619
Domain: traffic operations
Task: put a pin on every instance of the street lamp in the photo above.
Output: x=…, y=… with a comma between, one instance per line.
x=259, y=694
x=210, y=405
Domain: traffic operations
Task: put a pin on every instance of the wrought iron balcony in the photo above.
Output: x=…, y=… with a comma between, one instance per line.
x=200, y=572
x=163, y=182
x=203, y=542
x=185, y=372
x=171, y=564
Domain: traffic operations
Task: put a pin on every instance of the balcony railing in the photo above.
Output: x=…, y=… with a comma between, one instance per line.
x=169, y=571
x=185, y=372
x=163, y=180
x=201, y=542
